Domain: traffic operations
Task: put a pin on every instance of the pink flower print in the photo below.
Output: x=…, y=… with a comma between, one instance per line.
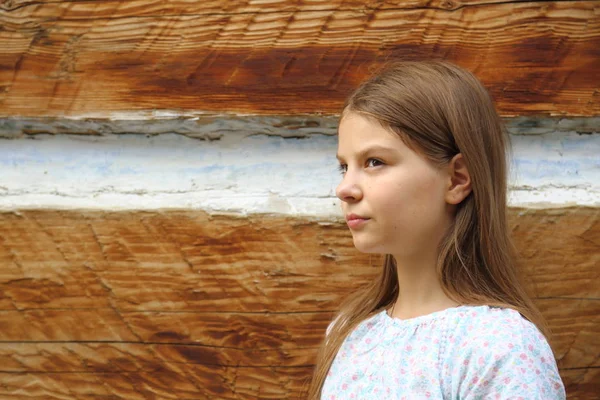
x=486, y=344
x=368, y=340
x=481, y=361
x=506, y=380
x=530, y=347
x=424, y=348
x=523, y=356
x=427, y=394
x=510, y=345
x=408, y=348
x=345, y=386
x=474, y=380
x=354, y=377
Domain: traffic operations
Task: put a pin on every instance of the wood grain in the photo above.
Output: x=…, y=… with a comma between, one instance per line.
x=182, y=304
x=246, y=340
x=167, y=382
x=81, y=58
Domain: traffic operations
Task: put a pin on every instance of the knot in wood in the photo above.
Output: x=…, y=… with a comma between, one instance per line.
x=449, y=5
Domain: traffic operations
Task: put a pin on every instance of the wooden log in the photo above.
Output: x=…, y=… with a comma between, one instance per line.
x=99, y=304
x=170, y=382
x=581, y=383
x=245, y=331
x=247, y=340
x=190, y=261
x=80, y=58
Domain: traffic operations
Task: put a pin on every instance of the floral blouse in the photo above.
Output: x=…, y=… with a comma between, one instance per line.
x=467, y=352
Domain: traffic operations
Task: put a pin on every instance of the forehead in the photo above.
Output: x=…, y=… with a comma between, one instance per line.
x=356, y=131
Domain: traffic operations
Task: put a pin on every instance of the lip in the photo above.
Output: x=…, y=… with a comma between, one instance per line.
x=355, y=221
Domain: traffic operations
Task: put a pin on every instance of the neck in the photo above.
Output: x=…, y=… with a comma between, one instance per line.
x=420, y=291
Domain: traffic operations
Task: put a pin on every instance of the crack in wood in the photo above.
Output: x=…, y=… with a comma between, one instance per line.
x=445, y=5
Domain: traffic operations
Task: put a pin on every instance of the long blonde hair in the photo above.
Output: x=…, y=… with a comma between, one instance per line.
x=442, y=110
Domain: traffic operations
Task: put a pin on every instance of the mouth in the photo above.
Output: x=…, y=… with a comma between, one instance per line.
x=355, y=221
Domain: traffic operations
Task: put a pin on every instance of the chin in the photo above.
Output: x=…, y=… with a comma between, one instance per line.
x=367, y=246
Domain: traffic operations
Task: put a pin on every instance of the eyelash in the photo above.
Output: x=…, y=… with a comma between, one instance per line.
x=344, y=167
x=379, y=162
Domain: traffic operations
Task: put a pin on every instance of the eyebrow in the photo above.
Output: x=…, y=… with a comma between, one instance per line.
x=370, y=149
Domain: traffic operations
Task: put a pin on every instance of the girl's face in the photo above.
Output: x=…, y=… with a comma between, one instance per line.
x=392, y=197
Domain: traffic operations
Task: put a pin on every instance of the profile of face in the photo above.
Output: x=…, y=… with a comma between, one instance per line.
x=395, y=201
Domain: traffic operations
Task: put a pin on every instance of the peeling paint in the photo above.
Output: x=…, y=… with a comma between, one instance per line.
x=247, y=173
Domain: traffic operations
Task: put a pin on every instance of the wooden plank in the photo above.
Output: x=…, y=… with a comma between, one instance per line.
x=100, y=58
x=247, y=340
x=228, y=330
x=581, y=383
x=170, y=382
x=154, y=365
x=187, y=7
x=190, y=261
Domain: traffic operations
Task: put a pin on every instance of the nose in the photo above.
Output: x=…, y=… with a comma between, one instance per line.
x=349, y=190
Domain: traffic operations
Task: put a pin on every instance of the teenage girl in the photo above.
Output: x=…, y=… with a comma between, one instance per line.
x=422, y=154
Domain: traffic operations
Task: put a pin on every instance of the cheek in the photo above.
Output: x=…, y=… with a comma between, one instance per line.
x=421, y=197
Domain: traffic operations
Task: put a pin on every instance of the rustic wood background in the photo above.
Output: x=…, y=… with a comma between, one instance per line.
x=181, y=304
x=81, y=57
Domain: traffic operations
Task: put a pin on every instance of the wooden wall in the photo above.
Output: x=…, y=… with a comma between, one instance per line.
x=184, y=304
x=181, y=304
x=75, y=57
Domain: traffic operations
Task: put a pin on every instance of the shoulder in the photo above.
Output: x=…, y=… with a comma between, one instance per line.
x=495, y=333
x=500, y=329
x=496, y=350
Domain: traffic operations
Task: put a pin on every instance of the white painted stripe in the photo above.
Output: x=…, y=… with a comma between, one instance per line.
x=249, y=173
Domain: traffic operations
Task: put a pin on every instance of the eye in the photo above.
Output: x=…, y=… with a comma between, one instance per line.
x=373, y=162
x=343, y=168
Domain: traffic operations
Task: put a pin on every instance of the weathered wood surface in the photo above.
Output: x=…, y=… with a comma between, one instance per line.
x=82, y=58
x=185, y=305
x=216, y=127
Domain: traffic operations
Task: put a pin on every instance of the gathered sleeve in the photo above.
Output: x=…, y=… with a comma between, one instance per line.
x=503, y=359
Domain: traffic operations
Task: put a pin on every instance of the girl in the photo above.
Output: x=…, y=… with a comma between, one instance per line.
x=422, y=153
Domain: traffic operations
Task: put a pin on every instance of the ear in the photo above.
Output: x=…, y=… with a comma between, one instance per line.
x=459, y=179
